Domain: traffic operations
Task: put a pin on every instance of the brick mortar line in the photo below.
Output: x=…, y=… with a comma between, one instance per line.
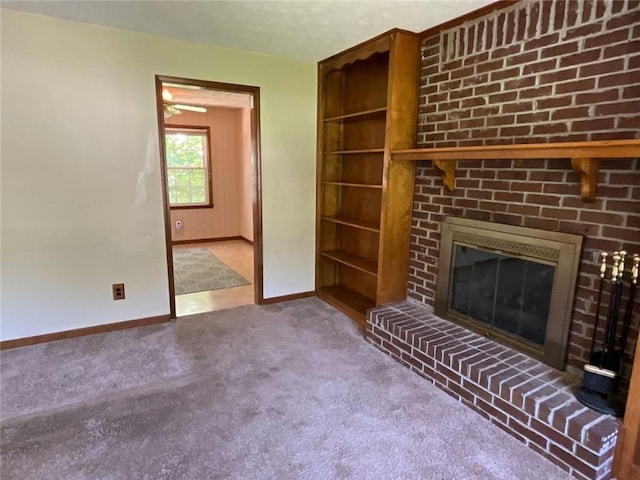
x=506, y=366
x=571, y=106
x=560, y=378
x=479, y=68
x=516, y=10
x=446, y=387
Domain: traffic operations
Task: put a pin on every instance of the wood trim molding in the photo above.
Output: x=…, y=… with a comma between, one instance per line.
x=206, y=130
x=629, y=148
x=287, y=298
x=257, y=175
x=467, y=17
x=585, y=157
x=258, y=263
x=192, y=207
x=81, y=332
x=165, y=198
x=210, y=240
x=379, y=43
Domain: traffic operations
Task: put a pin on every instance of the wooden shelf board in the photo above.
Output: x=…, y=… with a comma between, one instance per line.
x=585, y=157
x=347, y=152
x=352, y=303
x=597, y=149
x=356, y=115
x=350, y=184
x=371, y=226
x=353, y=261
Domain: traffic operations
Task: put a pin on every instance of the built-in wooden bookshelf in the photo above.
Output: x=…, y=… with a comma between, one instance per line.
x=367, y=108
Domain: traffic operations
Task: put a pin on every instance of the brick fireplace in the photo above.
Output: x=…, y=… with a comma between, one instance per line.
x=518, y=193
x=537, y=71
x=531, y=72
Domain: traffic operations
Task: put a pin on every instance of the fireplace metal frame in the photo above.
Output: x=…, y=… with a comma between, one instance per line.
x=560, y=249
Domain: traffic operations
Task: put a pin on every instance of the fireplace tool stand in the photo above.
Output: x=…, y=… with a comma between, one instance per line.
x=602, y=373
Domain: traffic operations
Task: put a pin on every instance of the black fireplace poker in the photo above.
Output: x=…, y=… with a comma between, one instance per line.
x=608, y=358
x=602, y=373
x=603, y=271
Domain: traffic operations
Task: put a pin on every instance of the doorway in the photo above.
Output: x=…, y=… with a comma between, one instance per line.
x=210, y=169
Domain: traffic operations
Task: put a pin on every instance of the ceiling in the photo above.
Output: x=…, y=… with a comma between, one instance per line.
x=203, y=97
x=306, y=30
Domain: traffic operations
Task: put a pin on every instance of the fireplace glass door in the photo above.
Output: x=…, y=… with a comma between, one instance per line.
x=509, y=294
x=510, y=283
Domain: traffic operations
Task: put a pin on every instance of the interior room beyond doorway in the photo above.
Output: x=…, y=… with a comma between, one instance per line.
x=238, y=255
x=211, y=164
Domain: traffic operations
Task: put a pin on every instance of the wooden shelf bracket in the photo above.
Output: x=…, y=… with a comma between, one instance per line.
x=448, y=167
x=588, y=169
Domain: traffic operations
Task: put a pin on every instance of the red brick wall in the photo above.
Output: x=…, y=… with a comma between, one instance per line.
x=536, y=71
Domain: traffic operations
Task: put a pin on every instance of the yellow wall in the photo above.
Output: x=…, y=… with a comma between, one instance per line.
x=81, y=198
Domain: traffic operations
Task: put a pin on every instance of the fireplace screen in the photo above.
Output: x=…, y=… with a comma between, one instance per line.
x=507, y=293
x=513, y=284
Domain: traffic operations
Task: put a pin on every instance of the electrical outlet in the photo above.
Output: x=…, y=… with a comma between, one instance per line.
x=118, y=291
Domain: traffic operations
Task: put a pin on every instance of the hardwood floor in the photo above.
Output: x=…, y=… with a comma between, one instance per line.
x=238, y=255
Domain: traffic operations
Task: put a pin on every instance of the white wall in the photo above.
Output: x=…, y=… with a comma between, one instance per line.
x=80, y=186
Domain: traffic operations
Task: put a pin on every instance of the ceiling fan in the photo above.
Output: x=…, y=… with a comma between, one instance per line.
x=171, y=109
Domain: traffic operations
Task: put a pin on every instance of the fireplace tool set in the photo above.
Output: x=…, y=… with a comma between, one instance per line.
x=601, y=374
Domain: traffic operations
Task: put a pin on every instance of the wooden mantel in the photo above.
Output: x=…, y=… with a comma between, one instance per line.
x=585, y=157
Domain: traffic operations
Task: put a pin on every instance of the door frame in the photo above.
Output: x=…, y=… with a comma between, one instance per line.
x=257, y=184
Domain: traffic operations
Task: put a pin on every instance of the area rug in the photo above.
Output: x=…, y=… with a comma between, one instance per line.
x=198, y=270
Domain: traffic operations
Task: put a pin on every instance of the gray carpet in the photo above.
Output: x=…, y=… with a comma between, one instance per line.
x=286, y=391
x=197, y=270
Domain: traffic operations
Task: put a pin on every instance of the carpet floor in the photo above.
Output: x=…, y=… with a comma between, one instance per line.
x=198, y=270
x=285, y=391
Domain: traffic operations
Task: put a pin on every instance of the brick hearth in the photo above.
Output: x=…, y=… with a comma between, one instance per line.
x=527, y=399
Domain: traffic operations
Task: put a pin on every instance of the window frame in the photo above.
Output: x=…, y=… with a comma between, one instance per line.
x=205, y=132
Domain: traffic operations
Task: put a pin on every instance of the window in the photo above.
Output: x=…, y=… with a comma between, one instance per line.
x=188, y=172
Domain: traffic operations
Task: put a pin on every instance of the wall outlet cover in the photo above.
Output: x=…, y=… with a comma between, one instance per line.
x=118, y=291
